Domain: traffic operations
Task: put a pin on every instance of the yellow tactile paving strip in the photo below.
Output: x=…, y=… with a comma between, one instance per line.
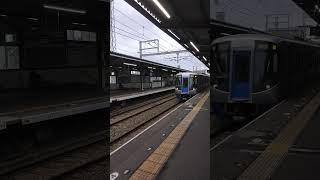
x=152, y=166
x=265, y=165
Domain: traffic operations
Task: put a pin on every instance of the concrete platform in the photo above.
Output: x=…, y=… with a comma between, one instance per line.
x=32, y=107
x=135, y=94
x=125, y=160
x=303, y=158
x=191, y=158
x=260, y=149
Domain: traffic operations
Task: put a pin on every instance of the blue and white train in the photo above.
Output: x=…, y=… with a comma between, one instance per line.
x=254, y=71
x=189, y=83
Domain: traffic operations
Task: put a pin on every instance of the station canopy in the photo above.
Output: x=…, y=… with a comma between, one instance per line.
x=186, y=21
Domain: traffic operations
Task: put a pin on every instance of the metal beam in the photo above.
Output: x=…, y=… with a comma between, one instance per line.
x=166, y=52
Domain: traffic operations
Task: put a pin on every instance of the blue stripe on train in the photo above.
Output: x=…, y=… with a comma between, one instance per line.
x=240, y=91
x=184, y=89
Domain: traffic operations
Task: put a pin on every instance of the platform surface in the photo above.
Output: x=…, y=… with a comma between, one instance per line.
x=191, y=159
x=135, y=94
x=126, y=160
x=303, y=158
x=35, y=106
x=241, y=152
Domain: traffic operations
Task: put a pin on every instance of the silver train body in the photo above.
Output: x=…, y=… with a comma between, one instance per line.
x=188, y=84
x=252, y=72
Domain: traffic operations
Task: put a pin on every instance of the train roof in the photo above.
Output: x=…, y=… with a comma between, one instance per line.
x=262, y=37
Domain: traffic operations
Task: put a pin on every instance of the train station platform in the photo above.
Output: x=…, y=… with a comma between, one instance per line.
x=117, y=96
x=35, y=106
x=159, y=150
x=281, y=144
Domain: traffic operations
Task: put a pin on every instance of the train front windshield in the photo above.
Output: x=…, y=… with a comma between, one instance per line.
x=178, y=81
x=222, y=60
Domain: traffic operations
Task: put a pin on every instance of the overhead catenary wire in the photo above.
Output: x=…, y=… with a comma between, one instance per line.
x=129, y=28
x=135, y=37
x=137, y=23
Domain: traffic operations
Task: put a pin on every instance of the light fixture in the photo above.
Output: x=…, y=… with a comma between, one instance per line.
x=164, y=11
x=186, y=45
x=148, y=11
x=194, y=46
x=225, y=34
x=81, y=24
x=59, y=8
x=33, y=19
x=128, y=64
x=205, y=58
x=173, y=34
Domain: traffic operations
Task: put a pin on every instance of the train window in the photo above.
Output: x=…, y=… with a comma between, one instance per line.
x=242, y=66
x=222, y=57
x=185, y=82
x=262, y=46
x=275, y=62
x=260, y=65
x=178, y=80
x=266, y=65
x=191, y=80
x=195, y=81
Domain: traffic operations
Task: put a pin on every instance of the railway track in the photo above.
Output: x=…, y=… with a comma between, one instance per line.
x=52, y=163
x=131, y=121
x=139, y=110
x=74, y=144
x=92, y=171
x=117, y=112
x=57, y=167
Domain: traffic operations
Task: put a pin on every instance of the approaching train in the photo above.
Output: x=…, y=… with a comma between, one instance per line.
x=190, y=83
x=252, y=72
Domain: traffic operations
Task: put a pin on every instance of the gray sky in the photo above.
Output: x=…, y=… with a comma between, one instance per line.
x=131, y=27
x=253, y=13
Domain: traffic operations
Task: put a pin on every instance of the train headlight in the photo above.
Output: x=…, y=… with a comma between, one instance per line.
x=268, y=86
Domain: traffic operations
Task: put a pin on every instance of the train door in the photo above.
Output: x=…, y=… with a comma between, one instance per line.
x=240, y=81
x=185, y=85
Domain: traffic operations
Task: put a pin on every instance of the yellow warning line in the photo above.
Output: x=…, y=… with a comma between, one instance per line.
x=152, y=166
x=265, y=165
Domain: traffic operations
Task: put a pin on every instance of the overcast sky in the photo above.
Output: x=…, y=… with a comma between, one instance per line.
x=131, y=27
x=254, y=13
